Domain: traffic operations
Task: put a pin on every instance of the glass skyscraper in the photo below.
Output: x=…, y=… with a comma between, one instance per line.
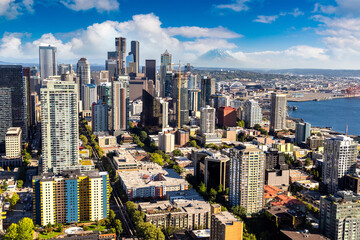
x=47, y=58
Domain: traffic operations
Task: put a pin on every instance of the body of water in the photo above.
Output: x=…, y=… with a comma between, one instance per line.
x=334, y=113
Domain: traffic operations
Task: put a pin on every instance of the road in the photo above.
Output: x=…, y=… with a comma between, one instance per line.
x=124, y=217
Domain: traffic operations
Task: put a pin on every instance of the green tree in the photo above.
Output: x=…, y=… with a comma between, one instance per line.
x=14, y=199
x=241, y=123
x=143, y=136
x=239, y=211
x=212, y=195
x=157, y=158
x=308, y=162
x=177, y=152
x=111, y=215
x=118, y=226
x=12, y=232
x=20, y=183
x=83, y=139
x=192, y=143
x=202, y=188
x=26, y=229
x=131, y=125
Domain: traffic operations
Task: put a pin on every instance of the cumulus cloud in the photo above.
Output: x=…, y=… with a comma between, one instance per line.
x=83, y=5
x=237, y=6
x=197, y=32
x=266, y=19
x=10, y=9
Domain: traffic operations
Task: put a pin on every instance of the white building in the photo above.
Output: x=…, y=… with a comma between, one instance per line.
x=59, y=125
x=47, y=60
x=120, y=104
x=166, y=142
x=136, y=108
x=252, y=113
x=90, y=96
x=13, y=142
x=207, y=124
x=340, y=154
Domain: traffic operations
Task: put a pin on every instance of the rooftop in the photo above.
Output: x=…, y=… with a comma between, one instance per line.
x=13, y=131
x=226, y=218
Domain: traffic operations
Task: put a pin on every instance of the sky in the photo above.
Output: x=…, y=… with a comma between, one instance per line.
x=274, y=34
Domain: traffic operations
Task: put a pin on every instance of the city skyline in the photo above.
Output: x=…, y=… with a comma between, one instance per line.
x=226, y=33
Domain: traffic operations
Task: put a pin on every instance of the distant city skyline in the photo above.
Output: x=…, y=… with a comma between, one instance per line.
x=224, y=33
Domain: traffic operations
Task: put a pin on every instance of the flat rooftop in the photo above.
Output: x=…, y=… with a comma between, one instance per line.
x=226, y=218
x=13, y=131
x=299, y=235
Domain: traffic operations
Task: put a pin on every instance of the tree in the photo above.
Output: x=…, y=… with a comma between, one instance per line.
x=118, y=226
x=131, y=125
x=143, y=136
x=20, y=183
x=241, y=123
x=257, y=127
x=212, y=195
x=308, y=162
x=83, y=139
x=14, y=199
x=177, y=152
x=178, y=169
x=157, y=158
x=202, y=188
x=12, y=232
x=239, y=211
x=111, y=215
x=26, y=229
x=192, y=143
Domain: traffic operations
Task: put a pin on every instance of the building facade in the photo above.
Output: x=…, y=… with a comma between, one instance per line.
x=251, y=113
x=278, y=112
x=227, y=116
x=13, y=142
x=100, y=117
x=90, y=96
x=83, y=73
x=47, y=61
x=302, y=132
x=224, y=226
x=207, y=89
x=207, y=124
x=120, y=104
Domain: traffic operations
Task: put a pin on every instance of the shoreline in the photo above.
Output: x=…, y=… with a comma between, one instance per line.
x=328, y=98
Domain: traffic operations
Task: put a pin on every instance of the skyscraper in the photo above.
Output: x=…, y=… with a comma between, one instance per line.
x=100, y=117
x=340, y=154
x=117, y=59
x=90, y=96
x=181, y=103
x=135, y=51
x=207, y=89
x=252, y=113
x=47, y=58
x=154, y=116
x=59, y=126
x=150, y=70
x=302, y=132
x=120, y=104
x=247, y=170
x=278, y=112
x=165, y=68
x=207, y=124
x=104, y=93
x=13, y=101
x=166, y=59
x=64, y=68
x=83, y=73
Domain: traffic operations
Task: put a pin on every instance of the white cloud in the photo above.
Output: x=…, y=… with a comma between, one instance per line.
x=10, y=9
x=266, y=19
x=197, y=32
x=296, y=12
x=83, y=5
x=237, y=6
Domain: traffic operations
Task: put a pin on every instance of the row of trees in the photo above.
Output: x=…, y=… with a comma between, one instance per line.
x=145, y=230
x=24, y=230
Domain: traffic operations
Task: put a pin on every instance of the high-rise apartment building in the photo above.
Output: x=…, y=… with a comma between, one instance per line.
x=104, y=93
x=165, y=68
x=194, y=100
x=13, y=94
x=166, y=141
x=100, y=117
x=247, y=171
x=120, y=104
x=59, y=126
x=225, y=226
x=278, y=112
x=71, y=197
x=47, y=61
x=13, y=142
x=83, y=73
x=207, y=120
x=135, y=51
x=90, y=96
x=252, y=113
x=116, y=62
x=207, y=89
x=340, y=216
x=227, y=116
x=302, y=132
x=340, y=153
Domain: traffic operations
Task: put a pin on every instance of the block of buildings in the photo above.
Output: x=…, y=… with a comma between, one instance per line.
x=71, y=197
x=107, y=141
x=224, y=226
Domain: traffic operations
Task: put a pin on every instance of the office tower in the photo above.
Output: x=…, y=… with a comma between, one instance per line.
x=120, y=104
x=275, y=159
x=35, y=81
x=247, y=170
x=251, y=113
x=71, y=197
x=181, y=105
x=168, y=84
x=207, y=89
x=302, y=132
x=155, y=113
x=194, y=100
x=135, y=51
x=12, y=101
x=224, y=226
x=166, y=59
x=47, y=58
x=150, y=70
x=207, y=124
x=111, y=65
x=136, y=107
x=13, y=142
x=83, y=73
x=34, y=101
x=64, y=68
x=166, y=141
x=100, y=117
x=90, y=96
x=227, y=116
x=340, y=216
x=116, y=62
x=340, y=154
x=59, y=126
x=130, y=64
x=278, y=112
x=104, y=93
x=165, y=68
x=26, y=80
x=217, y=171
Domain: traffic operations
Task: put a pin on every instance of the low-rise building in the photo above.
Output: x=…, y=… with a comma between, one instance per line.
x=298, y=175
x=224, y=226
x=123, y=160
x=13, y=142
x=107, y=141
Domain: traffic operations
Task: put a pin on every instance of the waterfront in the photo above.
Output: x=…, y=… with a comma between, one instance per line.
x=334, y=113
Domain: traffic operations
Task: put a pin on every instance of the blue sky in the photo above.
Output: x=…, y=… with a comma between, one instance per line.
x=247, y=33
